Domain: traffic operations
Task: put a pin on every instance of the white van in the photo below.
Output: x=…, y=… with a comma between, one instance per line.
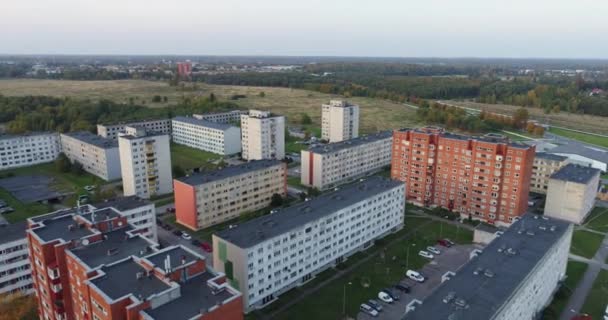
x=414, y=275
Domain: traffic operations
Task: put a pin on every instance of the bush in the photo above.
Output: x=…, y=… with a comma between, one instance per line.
x=77, y=168
x=62, y=163
x=276, y=200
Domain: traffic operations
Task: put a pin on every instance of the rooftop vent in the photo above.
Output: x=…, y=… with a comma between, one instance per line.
x=543, y=228
x=520, y=231
x=139, y=275
x=553, y=228
x=511, y=251
x=502, y=248
x=478, y=271
x=530, y=233
x=460, y=302
x=112, y=251
x=449, y=297
x=488, y=273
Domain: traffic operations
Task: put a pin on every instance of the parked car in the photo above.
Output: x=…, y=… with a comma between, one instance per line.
x=443, y=242
x=89, y=188
x=385, y=297
x=2, y=204
x=414, y=275
x=452, y=243
x=606, y=313
x=195, y=242
x=6, y=210
x=170, y=210
x=177, y=233
x=186, y=236
x=375, y=304
x=391, y=293
x=425, y=254
x=433, y=250
x=365, y=308
x=403, y=288
x=206, y=247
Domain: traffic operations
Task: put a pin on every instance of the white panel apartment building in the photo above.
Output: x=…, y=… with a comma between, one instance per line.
x=145, y=162
x=219, y=138
x=139, y=212
x=515, y=277
x=15, y=272
x=339, y=121
x=98, y=155
x=222, y=117
x=326, y=166
x=267, y=256
x=111, y=131
x=263, y=135
x=28, y=149
x=545, y=164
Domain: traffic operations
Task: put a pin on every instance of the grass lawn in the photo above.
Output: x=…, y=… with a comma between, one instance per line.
x=596, y=140
x=295, y=182
x=596, y=300
x=598, y=220
x=585, y=243
x=574, y=273
x=517, y=136
x=190, y=158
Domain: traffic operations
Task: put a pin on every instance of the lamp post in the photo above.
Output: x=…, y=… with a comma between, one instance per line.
x=407, y=256
x=344, y=300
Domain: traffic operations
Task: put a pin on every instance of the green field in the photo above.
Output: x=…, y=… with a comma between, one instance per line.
x=574, y=274
x=598, y=219
x=189, y=158
x=597, y=299
x=587, y=138
x=585, y=243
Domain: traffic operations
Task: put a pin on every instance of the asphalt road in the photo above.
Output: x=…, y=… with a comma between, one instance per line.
x=167, y=238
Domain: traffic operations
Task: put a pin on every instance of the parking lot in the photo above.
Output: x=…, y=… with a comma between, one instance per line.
x=166, y=238
x=450, y=259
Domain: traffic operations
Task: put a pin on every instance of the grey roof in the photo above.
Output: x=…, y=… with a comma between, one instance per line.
x=121, y=279
x=12, y=232
x=204, y=123
x=575, y=173
x=176, y=255
x=587, y=151
x=258, y=230
x=230, y=171
x=550, y=156
x=24, y=135
x=195, y=296
x=351, y=143
x=93, y=139
x=123, y=203
x=484, y=295
x=128, y=123
x=100, y=215
x=59, y=228
x=115, y=246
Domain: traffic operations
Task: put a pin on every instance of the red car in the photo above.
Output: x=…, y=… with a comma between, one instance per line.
x=444, y=242
x=170, y=210
x=206, y=247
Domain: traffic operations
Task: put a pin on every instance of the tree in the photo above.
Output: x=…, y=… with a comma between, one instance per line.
x=156, y=99
x=18, y=306
x=305, y=119
x=520, y=118
x=178, y=171
x=276, y=200
x=539, y=131
x=262, y=94
x=77, y=168
x=62, y=163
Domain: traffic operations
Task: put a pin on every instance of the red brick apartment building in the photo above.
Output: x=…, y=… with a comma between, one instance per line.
x=487, y=178
x=93, y=265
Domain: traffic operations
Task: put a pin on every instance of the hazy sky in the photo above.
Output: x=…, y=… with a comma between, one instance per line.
x=404, y=28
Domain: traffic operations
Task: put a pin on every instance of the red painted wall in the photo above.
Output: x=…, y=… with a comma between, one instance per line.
x=185, y=204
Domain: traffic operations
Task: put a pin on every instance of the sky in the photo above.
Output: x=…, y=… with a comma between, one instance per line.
x=383, y=28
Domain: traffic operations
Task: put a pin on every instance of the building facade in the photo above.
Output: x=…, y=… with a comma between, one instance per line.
x=267, y=256
x=545, y=164
x=15, y=268
x=219, y=138
x=515, y=277
x=339, y=121
x=184, y=70
x=206, y=199
x=111, y=131
x=329, y=165
x=97, y=155
x=28, y=149
x=139, y=212
x=486, y=178
x=94, y=265
x=233, y=116
x=263, y=135
x=571, y=193
x=145, y=163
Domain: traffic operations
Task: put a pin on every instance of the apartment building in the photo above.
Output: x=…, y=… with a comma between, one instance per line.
x=233, y=116
x=145, y=162
x=206, y=199
x=111, y=131
x=486, y=178
x=326, y=166
x=545, y=164
x=28, y=149
x=15, y=272
x=515, y=277
x=139, y=212
x=339, y=121
x=219, y=138
x=97, y=155
x=571, y=193
x=94, y=265
x=268, y=256
x=263, y=135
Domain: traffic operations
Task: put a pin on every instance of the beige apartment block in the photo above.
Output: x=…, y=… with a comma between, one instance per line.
x=28, y=149
x=263, y=135
x=233, y=116
x=145, y=162
x=206, y=199
x=97, y=155
x=329, y=165
x=215, y=137
x=111, y=131
x=339, y=121
x=545, y=164
x=571, y=193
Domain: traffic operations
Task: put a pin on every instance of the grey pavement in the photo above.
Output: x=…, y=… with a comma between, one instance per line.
x=162, y=209
x=167, y=238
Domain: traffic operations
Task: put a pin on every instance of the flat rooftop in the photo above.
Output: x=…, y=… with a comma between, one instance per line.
x=230, y=171
x=587, y=151
x=575, y=173
x=100, y=215
x=550, y=156
x=123, y=203
x=121, y=279
x=255, y=231
x=195, y=296
x=176, y=254
x=351, y=143
x=136, y=122
x=25, y=135
x=93, y=139
x=12, y=232
x=59, y=228
x=204, y=123
x=502, y=267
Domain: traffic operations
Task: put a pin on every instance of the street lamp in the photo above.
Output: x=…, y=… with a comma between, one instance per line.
x=344, y=300
x=407, y=257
